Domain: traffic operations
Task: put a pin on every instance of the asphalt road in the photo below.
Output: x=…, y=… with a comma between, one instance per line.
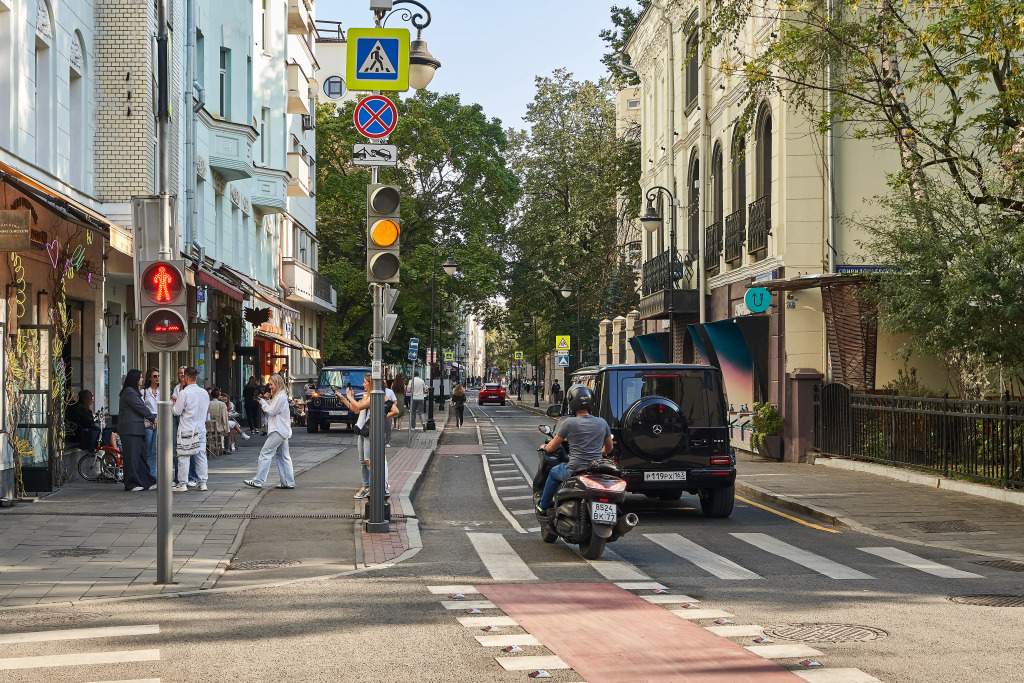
x=386, y=624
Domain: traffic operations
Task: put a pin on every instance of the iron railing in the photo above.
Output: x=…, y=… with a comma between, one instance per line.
x=657, y=275
x=760, y=224
x=735, y=229
x=322, y=287
x=712, y=248
x=982, y=440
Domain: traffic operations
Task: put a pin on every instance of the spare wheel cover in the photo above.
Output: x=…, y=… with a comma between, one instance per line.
x=653, y=428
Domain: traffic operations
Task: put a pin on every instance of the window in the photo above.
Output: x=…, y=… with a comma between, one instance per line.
x=692, y=75
x=264, y=27
x=717, y=185
x=78, y=149
x=632, y=104
x=218, y=218
x=739, y=174
x=44, y=97
x=763, y=157
x=200, y=58
x=334, y=87
x=225, y=83
x=693, y=200
x=248, y=93
x=265, y=136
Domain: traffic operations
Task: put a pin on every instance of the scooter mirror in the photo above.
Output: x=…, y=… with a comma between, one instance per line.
x=544, y=429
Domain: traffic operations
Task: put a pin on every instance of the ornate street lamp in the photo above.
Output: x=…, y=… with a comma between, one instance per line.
x=422, y=64
x=652, y=220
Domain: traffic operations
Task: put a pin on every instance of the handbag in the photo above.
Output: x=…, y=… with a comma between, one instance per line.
x=188, y=442
x=365, y=431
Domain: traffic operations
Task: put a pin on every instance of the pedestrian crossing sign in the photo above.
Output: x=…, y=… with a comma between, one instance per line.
x=377, y=59
x=563, y=361
x=518, y=355
x=449, y=355
x=562, y=342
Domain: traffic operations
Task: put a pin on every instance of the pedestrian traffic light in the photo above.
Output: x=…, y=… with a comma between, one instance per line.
x=383, y=230
x=163, y=305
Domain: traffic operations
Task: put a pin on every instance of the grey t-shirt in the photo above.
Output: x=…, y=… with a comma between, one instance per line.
x=586, y=435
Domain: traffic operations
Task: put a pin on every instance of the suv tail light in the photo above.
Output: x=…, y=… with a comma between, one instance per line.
x=721, y=460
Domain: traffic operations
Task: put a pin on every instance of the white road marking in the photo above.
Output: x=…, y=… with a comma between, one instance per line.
x=817, y=563
x=497, y=501
x=701, y=613
x=533, y=529
x=479, y=436
x=515, y=478
x=515, y=487
x=638, y=585
x=519, y=463
x=508, y=498
x=914, y=562
x=736, y=630
x=133, y=680
x=80, y=659
x=498, y=429
x=531, y=663
x=792, y=650
x=837, y=676
x=480, y=622
x=449, y=590
x=467, y=604
x=664, y=599
x=501, y=560
x=614, y=568
x=505, y=641
x=702, y=557
x=78, y=634
x=528, y=511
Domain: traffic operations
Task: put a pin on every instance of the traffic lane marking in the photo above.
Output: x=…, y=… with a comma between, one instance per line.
x=837, y=676
x=467, y=604
x=788, y=651
x=504, y=641
x=500, y=559
x=914, y=562
x=450, y=590
x=78, y=634
x=79, y=659
x=531, y=663
x=480, y=622
x=710, y=562
x=817, y=563
x=789, y=517
x=497, y=501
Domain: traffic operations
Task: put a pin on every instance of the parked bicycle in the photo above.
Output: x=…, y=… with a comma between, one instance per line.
x=103, y=462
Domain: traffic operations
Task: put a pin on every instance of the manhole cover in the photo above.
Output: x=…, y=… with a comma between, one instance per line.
x=946, y=526
x=262, y=564
x=1008, y=565
x=990, y=600
x=826, y=633
x=76, y=552
x=54, y=619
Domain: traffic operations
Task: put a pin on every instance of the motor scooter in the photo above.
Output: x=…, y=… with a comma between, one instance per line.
x=587, y=508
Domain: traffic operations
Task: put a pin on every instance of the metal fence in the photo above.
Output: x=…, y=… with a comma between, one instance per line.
x=983, y=440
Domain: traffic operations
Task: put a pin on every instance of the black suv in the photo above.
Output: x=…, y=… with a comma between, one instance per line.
x=671, y=430
x=324, y=408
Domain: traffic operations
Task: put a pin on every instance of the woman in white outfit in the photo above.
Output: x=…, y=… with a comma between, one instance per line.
x=279, y=430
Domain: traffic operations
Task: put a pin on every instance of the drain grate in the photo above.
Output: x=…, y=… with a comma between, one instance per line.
x=826, y=633
x=77, y=552
x=1008, y=565
x=946, y=526
x=989, y=600
x=262, y=564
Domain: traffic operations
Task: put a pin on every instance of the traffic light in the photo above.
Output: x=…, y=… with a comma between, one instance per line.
x=163, y=305
x=383, y=230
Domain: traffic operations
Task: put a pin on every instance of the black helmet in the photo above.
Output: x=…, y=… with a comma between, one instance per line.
x=580, y=398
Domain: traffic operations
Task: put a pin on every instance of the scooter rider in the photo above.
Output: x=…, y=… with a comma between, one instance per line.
x=589, y=438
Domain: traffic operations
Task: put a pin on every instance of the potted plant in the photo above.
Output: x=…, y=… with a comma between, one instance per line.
x=767, y=435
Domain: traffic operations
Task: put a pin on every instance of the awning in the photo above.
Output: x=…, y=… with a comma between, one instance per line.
x=57, y=201
x=793, y=284
x=290, y=343
x=264, y=293
x=219, y=285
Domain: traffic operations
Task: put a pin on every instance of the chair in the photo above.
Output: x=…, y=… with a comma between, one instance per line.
x=214, y=441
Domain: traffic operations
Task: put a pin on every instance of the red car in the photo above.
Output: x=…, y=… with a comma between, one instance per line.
x=491, y=393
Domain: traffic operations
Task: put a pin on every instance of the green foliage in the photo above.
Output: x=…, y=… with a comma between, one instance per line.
x=624, y=22
x=766, y=421
x=907, y=384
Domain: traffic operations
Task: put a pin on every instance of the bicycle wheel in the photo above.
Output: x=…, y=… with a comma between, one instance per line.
x=90, y=466
x=110, y=467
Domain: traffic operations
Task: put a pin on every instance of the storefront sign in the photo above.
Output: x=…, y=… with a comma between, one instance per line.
x=15, y=230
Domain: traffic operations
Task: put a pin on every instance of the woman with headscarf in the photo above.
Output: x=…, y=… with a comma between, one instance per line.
x=131, y=425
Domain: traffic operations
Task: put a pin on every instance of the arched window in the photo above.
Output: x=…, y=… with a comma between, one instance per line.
x=713, y=238
x=78, y=150
x=692, y=70
x=693, y=202
x=42, y=74
x=760, y=209
x=735, y=222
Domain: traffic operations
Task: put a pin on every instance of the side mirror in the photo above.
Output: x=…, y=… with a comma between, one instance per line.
x=554, y=411
x=544, y=429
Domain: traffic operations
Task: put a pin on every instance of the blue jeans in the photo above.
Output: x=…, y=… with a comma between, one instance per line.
x=150, y=451
x=556, y=476
x=363, y=449
x=277, y=445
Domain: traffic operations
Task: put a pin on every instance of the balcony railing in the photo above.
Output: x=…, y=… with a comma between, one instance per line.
x=322, y=287
x=735, y=233
x=712, y=248
x=760, y=225
x=299, y=170
x=657, y=274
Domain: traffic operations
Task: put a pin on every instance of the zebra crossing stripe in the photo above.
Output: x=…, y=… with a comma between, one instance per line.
x=705, y=559
x=668, y=599
x=450, y=590
x=914, y=562
x=79, y=659
x=508, y=498
x=514, y=487
x=788, y=651
x=78, y=634
x=528, y=511
x=638, y=585
x=736, y=630
x=133, y=680
x=614, y=568
x=816, y=563
x=500, y=559
x=505, y=641
x=480, y=622
x=836, y=676
x=515, y=478
x=531, y=663
x=467, y=604
x=701, y=613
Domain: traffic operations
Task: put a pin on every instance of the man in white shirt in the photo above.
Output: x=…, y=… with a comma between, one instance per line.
x=418, y=389
x=192, y=406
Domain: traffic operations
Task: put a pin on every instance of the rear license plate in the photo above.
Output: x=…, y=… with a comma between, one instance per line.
x=606, y=513
x=664, y=476
x=338, y=412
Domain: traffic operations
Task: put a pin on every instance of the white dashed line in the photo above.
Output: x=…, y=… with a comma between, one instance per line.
x=501, y=560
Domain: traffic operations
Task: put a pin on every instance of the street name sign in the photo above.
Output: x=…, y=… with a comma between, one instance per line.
x=563, y=361
x=562, y=342
x=378, y=59
x=368, y=154
x=375, y=116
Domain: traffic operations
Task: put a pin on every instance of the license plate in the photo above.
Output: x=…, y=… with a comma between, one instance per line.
x=664, y=476
x=604, y=512
x=338, y=412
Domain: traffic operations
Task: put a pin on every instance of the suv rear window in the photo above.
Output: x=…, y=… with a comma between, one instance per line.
x=690, y=390
x=342, y=378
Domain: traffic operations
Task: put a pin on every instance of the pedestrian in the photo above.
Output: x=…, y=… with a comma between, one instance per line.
x=250, y=396
x=150, y=396
x=459, y=401
x=192, y=406
x=234, y=428
x=81, y=416
x=389, y=395
x=362, y=406
x=276, y=406
x=132, y=415
x=190, y=477
x=218, y=412
x=398, y=386
x=417, y=387
x=556, y=392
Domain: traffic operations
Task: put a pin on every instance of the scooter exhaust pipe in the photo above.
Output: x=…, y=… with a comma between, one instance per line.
x=626, y=523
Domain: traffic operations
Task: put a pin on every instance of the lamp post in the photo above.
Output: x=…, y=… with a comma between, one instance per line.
x=450, y=268
x=536, y=394
x=566, y=292
x=422, y=64
x=652, y=220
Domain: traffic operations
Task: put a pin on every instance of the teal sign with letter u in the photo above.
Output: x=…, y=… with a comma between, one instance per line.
x=758, y=299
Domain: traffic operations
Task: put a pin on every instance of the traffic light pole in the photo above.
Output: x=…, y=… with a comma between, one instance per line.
x=378, y=522
x=164, y=428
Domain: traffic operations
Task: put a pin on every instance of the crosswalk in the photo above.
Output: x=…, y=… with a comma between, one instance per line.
x=13, y=655
x=502, y=560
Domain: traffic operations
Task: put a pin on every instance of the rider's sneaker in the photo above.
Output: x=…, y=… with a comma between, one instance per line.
x=543, y=512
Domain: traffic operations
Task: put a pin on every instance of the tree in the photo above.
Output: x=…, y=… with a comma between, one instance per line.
x=624, y=22
x=456, y=190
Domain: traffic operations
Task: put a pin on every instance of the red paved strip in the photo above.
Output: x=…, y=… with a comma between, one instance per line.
x=607, y=634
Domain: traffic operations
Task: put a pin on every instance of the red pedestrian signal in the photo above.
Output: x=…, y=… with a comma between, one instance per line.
x=163, y=305
x=162, y=282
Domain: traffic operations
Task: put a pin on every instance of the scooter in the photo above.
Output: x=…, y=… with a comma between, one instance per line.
x=587, y=507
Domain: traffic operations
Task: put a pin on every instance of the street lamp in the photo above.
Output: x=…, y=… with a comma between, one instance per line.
x=450, y=268
x=652, y=220
x=422, y=64
x=566, y=292
x=536, y=393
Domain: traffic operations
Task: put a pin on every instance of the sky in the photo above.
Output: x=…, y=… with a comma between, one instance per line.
x=491, y=51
